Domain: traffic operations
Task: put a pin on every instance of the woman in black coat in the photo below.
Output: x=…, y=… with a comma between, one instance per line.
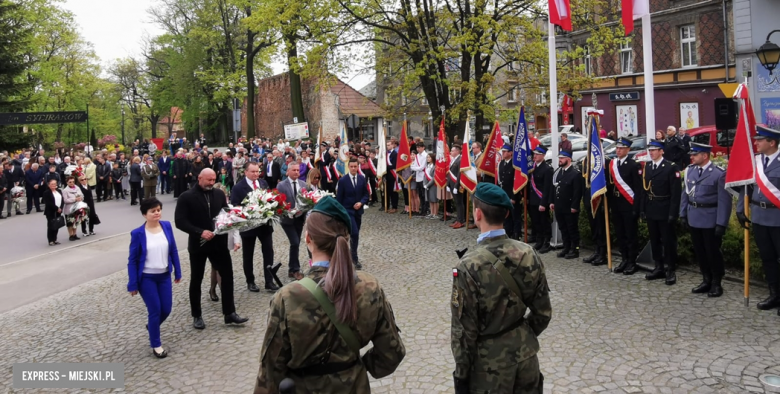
x=195, y=169
x=136, y=191
x=93, y=218
x=53, y=203
x=181, y=167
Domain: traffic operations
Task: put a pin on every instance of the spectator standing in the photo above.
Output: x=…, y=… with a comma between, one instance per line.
x=90, y=170
x=117, y=178
x=150, y=173
x=71, y=194
x=136, y=192
x=293, y=227
x=103, y=173
x=90, y=201
x=164, y=166
x=33, y=183
x=53, y=204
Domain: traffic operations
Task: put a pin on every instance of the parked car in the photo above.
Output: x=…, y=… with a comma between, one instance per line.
x=579, y=149
x=721, y=140
x=546, y=140
x=638, y=151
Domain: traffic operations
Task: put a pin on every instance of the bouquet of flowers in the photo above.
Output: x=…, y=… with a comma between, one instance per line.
x=74, y=171
x=79, y=212
x=306, y=200
x=264, y=206
x=17, y=197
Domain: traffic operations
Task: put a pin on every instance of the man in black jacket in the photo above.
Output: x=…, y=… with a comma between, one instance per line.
x=568, y=184
x=14, y=175
x=506, y=180
x=272, y=170
x=3, y=189
x=540, y=194
x=624, y=188
x=675, y=149
x=194, y=215
x=102, y=173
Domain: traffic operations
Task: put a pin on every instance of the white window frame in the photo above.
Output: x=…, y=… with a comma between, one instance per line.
x=512, y=95
x=626, y=58
x=688, y=45
x=424, y=100
x=588, y=62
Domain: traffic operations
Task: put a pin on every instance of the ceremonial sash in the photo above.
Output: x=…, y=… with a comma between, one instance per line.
x=536, y=189
x=453, y=177
x=371, y=166
x=396, y=186
x=620, y=184
x=427, y=176
x=767, y=188
x=327, y=172
x=336, y=172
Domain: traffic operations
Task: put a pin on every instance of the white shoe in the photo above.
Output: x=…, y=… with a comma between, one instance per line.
x=84, y=235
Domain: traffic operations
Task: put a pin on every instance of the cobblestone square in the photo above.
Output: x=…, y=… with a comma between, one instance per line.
x=609, y=333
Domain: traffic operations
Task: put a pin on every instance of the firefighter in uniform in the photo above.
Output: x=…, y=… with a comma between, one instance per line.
x=661, y=208
x=765, y=211
x=568, y=184
x=500, y=305
x=506, y=180
x=705, y=208
x=624, y=187
x=539, y=197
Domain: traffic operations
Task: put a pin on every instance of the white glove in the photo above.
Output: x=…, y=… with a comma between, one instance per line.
x=455, y=191
x=448, y=189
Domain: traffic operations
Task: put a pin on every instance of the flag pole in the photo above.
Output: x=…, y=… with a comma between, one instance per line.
x=553, y=70
x=467, y=207
x=606, y=225
x=525, y=212
x=384, y=188
x=647, y=54
x=747, y=250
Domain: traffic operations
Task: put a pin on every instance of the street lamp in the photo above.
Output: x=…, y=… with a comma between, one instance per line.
x=123, y=123
x=769, y=53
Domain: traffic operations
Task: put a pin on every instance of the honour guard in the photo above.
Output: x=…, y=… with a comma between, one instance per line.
x=661, y=208
x=500, y=305
x=506, y=180
x=705, y=209
x=623, y=188
x=765, y=210
x=539, y=199
x=568, y=184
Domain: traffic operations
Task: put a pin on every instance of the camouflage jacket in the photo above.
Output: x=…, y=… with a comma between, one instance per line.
x=300, y=334
x=484, y=309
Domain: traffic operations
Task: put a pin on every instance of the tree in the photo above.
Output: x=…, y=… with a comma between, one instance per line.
x=133, y=82
x=14, y=91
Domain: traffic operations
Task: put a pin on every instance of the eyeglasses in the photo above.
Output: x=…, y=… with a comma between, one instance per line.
x=316, y=177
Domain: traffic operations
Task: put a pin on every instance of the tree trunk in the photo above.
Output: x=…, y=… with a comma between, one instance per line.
x=59, y=133
x=296, y=99
x=153, y=119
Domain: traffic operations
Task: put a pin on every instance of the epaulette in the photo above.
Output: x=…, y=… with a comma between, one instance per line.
x=720, y=168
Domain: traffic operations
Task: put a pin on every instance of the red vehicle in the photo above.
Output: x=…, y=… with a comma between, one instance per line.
x=721, y=140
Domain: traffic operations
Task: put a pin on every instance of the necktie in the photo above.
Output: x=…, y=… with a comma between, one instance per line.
x=354, y=182
x=766, y=162
x=655, y=166
x=700, y=170
x=295, y=188
x=255, y=184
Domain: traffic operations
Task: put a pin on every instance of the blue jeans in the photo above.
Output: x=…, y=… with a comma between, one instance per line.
x=157, y=293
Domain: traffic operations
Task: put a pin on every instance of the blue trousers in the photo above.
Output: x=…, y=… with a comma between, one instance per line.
x=165, y=184
x=354, y=238
x=157, y=293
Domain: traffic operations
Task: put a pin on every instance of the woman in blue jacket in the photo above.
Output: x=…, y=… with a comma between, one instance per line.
x=153, y=255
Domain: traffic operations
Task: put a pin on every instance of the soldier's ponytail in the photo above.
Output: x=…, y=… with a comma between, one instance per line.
x=331, y=236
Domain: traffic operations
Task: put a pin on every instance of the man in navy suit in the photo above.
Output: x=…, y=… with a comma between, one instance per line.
x=164, y=165
x=272, y=171
x=390, y=178
x=352, y=193
x=293, y=227
x=264, y=233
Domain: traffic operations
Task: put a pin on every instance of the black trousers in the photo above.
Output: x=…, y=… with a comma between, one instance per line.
x=179, y=186
x=392, y=194
x=405, y=191
x=102, y=190
x=265, y=235
x=222, y=263
x=354, y=238
x=768, y=242
x=423, y=196
x=513, y=223
x=33, y=197
x=598, y=230
x=663, y=243
x=293, y=231
x=118, y=193
x=84, y=226
x=374, y=193
x=51, y=235
x=626, y=227
x=136, y=192
x=540, y=222
x=460, y=206
x=706, y=245
x=568, y=223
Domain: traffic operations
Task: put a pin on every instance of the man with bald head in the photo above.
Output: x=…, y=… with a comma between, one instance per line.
x=195, y=211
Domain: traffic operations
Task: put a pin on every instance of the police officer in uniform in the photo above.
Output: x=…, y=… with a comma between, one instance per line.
x=539, y=198
x=568, y=184
x=506, y=180
x=624, y=188
x=661, y=208
x=765, y=211
x=705, y=208
x=500, y=305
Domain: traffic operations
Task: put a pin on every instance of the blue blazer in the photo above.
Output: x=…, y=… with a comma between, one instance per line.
x=348, y=196
x=137, y=259
x=164, y=165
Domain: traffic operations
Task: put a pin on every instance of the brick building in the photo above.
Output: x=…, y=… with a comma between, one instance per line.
x=323, y=107
x=693, y=52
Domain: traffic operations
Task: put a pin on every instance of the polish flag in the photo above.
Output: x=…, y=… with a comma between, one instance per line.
x=742, y=170
x=468, y=174
x=634, y=9
x=560, y=14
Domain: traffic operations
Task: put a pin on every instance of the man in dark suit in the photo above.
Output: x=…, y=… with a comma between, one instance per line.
x=195, y=212
x=3, y=188
x=264, y=233
x=453, y=184
x=391, y=177
x=272, y=171
x=352, y=193
x=506, y=179
x=13, y=175
x=164, y=165
x=293, y=227
x=568, y=184
x=539, y=198
x=624, y=188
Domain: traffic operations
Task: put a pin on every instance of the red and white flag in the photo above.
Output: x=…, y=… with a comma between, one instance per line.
x=442, y=158
x=468, y=174
x=742, y=164
x=632, y=10
x=560, y=14
x=488, y=160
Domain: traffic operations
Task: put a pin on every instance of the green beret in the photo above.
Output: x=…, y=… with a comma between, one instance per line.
x=492, y=195
x=331, y=207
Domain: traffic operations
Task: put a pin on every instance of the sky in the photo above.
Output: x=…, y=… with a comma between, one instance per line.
x=116, y=29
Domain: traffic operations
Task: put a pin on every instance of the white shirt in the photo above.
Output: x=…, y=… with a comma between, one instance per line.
x=270, y=168
x=156, y=253
x=657, y=164
x=419, y=166
x=252, y=183
x=57, y=199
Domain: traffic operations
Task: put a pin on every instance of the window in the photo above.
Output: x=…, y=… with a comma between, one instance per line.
x=688, y=45
x=424, y=101
x=626, y=61
x=512, y=95
x=726, y=138
x=588, y=62
x=703, y=138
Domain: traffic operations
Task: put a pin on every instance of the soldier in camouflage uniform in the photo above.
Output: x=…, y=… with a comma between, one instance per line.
x=493, y=287
x=302, y=342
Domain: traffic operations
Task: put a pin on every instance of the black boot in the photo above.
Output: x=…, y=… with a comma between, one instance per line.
x=704, y=287
x=573, y=254
x=621, y=267
x=631, y=268
x=658, y=272
x=592, y=257
x=716, y=290
x=671, y=277
x=563, y=252
x=538, y=245
x=545, y=247
x=773, y=301
x=600, y=260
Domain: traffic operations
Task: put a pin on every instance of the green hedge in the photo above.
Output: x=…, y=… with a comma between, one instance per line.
x=733, y=244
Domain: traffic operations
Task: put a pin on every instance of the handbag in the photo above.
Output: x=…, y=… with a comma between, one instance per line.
x=57, y=223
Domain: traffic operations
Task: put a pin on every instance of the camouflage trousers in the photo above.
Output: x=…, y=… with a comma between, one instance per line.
x=523, y=378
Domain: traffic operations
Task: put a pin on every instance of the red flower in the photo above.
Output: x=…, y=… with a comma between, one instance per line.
x=278, y=211
x=281, y=197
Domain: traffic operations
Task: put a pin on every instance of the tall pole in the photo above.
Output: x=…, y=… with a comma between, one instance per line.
x=123, y=123
x=552, y=59
x=747, y=249
x=647, y=54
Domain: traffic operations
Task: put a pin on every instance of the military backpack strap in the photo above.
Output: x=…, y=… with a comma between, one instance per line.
x=507, y=276
x=346, y=333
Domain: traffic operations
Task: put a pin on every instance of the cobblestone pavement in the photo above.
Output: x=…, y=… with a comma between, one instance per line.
x=609, y=333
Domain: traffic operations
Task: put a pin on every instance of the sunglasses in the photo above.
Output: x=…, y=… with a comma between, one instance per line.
x=316, y=177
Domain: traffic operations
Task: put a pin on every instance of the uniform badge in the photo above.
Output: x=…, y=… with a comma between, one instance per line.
x=677, y=174
x=454, y=272
x=455, y=302
x=640, y=171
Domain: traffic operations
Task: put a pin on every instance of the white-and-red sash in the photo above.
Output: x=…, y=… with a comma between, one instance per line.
x=327, y=173
x=533, y=186
x=336, y=172
x=620, y=184
x=427, y=176
x=371, y=166
x=396, y=186
x=767, y=188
